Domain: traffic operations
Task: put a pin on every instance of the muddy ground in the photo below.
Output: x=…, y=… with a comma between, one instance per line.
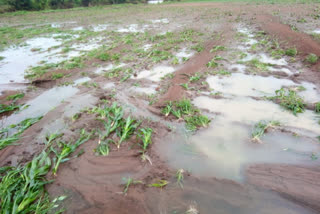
x=236, y=50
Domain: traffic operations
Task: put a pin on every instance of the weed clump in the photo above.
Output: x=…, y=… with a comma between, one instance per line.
x=312, y=58
x=291, y=52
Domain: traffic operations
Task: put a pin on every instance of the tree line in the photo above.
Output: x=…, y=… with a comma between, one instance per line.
x=56, y=4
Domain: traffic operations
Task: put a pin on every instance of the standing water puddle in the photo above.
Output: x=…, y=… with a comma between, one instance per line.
x=42, y=104
x=225, y=148
x=18, y=59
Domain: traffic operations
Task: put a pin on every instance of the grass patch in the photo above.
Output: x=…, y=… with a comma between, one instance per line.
x=56, y=76
x=183, y=109
x=291, y=52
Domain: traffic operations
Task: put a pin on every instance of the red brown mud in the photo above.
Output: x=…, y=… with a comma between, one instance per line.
x=297, y=183
x=95, y=183
x=290, y=38
x=197, y=63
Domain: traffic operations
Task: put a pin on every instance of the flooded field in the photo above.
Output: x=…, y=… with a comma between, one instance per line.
x=161, y=108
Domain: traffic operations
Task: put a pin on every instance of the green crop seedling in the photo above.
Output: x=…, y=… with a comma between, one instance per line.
x=260, y=128
x=130, y=181
x=126, y=130
x=180, y=177
x=65, y=149
x=22, y=187
x=159, y=184
x=145, y=136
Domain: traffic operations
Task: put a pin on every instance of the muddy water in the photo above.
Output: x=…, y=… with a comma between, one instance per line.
x=18, y=59
x=155, y=74
x=42, y=104
x=219, y=197
x=222, y=153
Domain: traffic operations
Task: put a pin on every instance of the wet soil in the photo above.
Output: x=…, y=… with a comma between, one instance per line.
x=94, y=184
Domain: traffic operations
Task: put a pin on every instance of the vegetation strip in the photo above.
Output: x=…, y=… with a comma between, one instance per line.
x=22, y=188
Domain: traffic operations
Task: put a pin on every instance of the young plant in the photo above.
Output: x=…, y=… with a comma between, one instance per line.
x=159, y=184
x=129, y=181
x=312, y=58
x=177, y=114
x=180, y=177
x=126, y=130
x=7, y=108
x=56, y=76
x=11, y=134
x=291, y=52
x=260, y=128
x=212, y=64
x=145, y=136
x=217, y=48
x=167, y=109
x=290, y=100
x=66, y=149
x=15, y=96
x=195, y=121
x=103, y=147
x=317, y=107
x=195, y=77
x=22, y=188
x=185, y=86
x=185, y=106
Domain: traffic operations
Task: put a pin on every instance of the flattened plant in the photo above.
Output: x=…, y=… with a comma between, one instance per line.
x=195, y=121
x=103, y=148
x=260, y=128
x=290, y=100
x=64, y=149
x=167, y=109
x=183, y=109
x=22, y=187
x=180, y=177
x=129, y=181
x=159, y=184
x=11, y=134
